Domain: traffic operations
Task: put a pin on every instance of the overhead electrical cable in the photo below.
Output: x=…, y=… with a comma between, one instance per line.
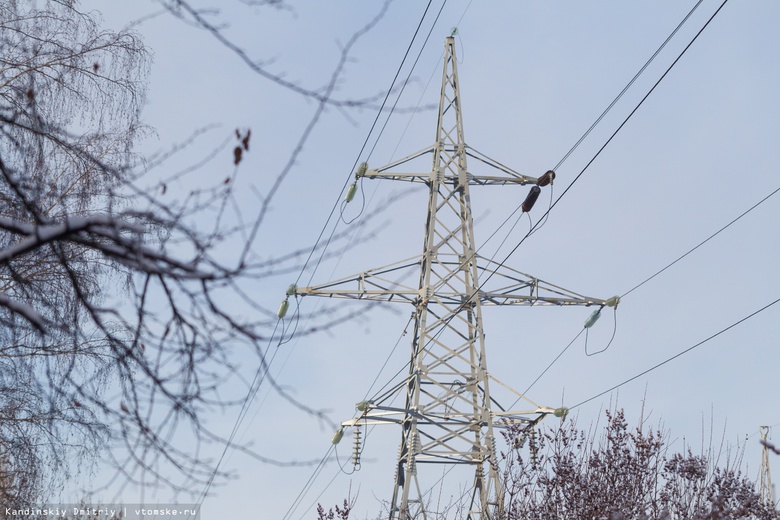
x=754, y=206
x=609, y=140
x=391, y=111
x=550, y=365
x=365, y=142
x=312, y=479
x=384, y=126
x=408, y=77
x=662, y=363
x=330, y=216
x=318, y=496
x=611, y=137
x=590, y=162
x=595, y=123
x=297, y=502
x=251, y=393
x=362, y=148
x=315, y=474
x=628, y=85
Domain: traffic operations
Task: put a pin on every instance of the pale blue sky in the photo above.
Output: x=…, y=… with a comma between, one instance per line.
x=534, y=76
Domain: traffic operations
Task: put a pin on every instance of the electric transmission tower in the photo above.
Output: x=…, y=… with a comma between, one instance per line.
x=766, y=491
x=448, y=416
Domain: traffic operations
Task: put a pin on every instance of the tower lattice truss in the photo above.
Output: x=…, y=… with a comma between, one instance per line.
x=448, y=416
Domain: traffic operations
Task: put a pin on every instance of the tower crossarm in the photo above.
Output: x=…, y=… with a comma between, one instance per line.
x=380, y=284
x=503, y=286
x=501, y=175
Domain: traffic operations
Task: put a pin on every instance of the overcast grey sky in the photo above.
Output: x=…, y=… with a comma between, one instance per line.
x=534, y=76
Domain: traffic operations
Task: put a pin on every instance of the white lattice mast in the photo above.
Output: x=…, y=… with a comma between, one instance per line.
x=766, y=491
x=447, y=416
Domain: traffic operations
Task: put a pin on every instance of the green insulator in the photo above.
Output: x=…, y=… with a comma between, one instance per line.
x=292, y=289
x=351, y=192
x=362, y=406
x=561, y=412
x=613, y=302
x=283, y=308
x=593, y=318
x=361, y=170
x=337, y=436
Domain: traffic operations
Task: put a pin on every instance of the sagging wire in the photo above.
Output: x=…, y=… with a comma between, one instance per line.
x=612, y=302
x=350, y=195
x=658, y=365
x=587, y=329
x=546, y=215
x=525, y=207
x=282, y=312
x=336, y=439
x=619, y=128
x=363, y=147
x=338, y=472
x=357, y=452
x=362, y=406
x=351, y=190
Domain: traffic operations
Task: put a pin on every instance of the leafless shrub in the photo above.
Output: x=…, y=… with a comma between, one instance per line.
x=626, y=473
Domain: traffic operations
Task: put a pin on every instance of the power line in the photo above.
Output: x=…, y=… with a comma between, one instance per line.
x=318, y=470
x=628, y=85
x=754, y=206
x=611, y=137
x=616, y=131
x=267, y=366
x=357, y=159
x=636, y=108
x=662, y=363
x=596, y=155
x=551, y=364
x=362, y=148
x=408, y=77
x=260, y=374
x=309, y=483
x=330, y=216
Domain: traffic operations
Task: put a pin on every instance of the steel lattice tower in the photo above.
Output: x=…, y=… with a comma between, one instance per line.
x=448, y=417
x=766, y=490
